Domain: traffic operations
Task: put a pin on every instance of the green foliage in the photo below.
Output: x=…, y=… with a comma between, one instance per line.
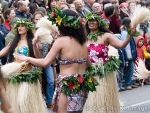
x=93, y=16
x=24, y=21
x=31, y=76
x=94, y=36
x=60, y=19
x=111, y=65
x=136, y=34
x=73, y=84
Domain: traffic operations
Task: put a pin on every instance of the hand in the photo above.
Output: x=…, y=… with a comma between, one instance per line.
x=21, y=57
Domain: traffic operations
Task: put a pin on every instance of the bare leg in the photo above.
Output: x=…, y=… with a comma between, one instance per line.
x=62, y=104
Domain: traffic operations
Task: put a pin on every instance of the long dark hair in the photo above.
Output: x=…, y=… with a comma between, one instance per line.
x=15, y=43
x=77, y=34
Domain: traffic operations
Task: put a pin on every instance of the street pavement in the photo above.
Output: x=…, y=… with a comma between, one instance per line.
x=134, y=101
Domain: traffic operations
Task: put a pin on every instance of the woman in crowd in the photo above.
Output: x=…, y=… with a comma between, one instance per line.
x=23, y=88
x=73, y=58
x=105, y=99
x=8, y=15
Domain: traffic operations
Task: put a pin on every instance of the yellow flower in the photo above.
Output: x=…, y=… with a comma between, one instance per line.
x=90, y=79
x=76, y=85
x=58, y=20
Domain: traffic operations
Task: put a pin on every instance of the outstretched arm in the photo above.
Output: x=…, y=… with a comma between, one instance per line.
x=5, y=50
x=43, y=62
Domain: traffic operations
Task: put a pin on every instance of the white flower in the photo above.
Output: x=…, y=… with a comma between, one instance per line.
x=93, y=53
x=106, y=59
x=105, y=50
x=96, y=45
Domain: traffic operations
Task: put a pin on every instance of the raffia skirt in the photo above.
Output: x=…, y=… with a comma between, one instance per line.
x=105, y=99
x=26, y=97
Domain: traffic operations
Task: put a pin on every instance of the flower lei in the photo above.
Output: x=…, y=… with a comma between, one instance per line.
x=94, y=16
x=111, y=65
x=60, y=19
x=24, y=21
x=94, y=36
x=31, y=76
x=79, y=82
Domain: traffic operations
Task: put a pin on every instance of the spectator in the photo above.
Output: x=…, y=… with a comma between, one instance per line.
x=51, y=4
x=40, y=3
x=8, y=15
x=114, y=20
x=10, y=36
x=21, y=10
x=96, y=7
x=88, y=5
x=120, y=71
x=81, y=11
x=131, y=55
x=33, y=8
x=4, y=5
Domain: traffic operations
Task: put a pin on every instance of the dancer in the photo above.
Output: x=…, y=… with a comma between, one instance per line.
x=23, y=88
x=105, y=99
x=72, y=84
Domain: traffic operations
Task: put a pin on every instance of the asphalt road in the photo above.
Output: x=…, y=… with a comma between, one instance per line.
x=136, y=100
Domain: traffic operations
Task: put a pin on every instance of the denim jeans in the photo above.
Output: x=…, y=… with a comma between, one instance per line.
x=120, y=73
x=129, y=73
x=50, y=83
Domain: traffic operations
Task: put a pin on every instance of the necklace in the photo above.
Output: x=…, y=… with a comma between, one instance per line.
x=94, y=36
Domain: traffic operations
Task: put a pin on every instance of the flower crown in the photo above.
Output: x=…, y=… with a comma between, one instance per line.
x=60, y=19
x=24, y=21
x=94, y=16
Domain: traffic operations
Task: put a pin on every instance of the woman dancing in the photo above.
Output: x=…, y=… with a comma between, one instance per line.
x=23, y=88
x=105, y=99
x=72, y=85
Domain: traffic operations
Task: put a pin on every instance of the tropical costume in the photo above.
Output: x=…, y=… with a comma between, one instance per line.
x=23, y=87
x=105, y=99
x=73, y=86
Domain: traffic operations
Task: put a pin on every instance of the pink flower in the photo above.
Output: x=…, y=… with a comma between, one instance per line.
x=53, y=14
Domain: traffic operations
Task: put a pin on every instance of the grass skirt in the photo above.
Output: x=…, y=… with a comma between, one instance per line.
x=105, y=99
x=26, y=97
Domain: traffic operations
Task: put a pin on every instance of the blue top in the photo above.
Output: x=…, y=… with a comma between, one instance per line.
x=24, y=50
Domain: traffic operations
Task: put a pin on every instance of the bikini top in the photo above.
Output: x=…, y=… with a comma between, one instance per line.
x=23, y=50
x=64, y=61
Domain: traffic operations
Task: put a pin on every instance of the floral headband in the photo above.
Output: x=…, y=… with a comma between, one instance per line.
x=60, y=19
x=94, y=16
x=24, y=21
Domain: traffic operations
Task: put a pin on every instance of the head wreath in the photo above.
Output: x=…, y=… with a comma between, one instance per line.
x=94, y=16
x=60, y=19
x=24, y=21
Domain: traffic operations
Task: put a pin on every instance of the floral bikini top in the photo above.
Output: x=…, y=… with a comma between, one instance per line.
x=98, y=53
x=64, y=61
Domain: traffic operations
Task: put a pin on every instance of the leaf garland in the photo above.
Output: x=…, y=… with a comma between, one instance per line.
x=74, y=84
x=31, y=76
x=94, y=36
x=111, y=65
